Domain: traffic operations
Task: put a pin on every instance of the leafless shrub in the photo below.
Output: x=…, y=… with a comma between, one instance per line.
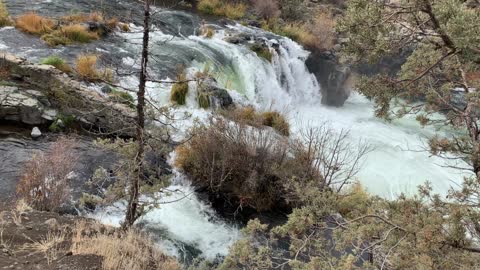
x=236, y=160
x=44, y=184
x=266, y=8
x=331, y=154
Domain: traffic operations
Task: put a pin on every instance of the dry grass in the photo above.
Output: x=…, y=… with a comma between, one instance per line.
x=250, y=116
x=4, y=17
x=277, y=122
x=96, y=17
x=78, y=33
x=5, y=72
x=50, y=245
x=299, y=32
x=316, y=34
x=70, y=33
x=234, y=11
x=86, y=67
x=131, y=250
x=207, y=31
x=21, y=206
x=44, y=183
x=75, y=18
x=33, y=23
x=222, y=8
x=125, y=27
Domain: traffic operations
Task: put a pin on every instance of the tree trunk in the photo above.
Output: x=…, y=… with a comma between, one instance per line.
x=132, y=214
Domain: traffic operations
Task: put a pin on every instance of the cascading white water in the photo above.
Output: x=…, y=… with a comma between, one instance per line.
x=395, y=166
x=399, y=162
x=180, y=224
x=285, y=84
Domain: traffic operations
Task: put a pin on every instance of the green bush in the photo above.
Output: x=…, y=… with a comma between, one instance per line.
x=122, y=97
x=179, y=92
x=66, y=120
x=203, y=100
x=233, y=11
x=57, y=62
x=276, y=121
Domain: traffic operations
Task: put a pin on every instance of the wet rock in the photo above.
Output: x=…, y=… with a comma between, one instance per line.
x=332, y=76
x=238, y=38
x=99, y=28
x=15, y=152
x=36, y=133
x=254, y=23
x=219, y=98
x=107, y=89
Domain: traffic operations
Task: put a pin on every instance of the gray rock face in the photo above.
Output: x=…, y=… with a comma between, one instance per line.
x=332, y=76
x=16, y=151
x=26, y=106
x=54, y=91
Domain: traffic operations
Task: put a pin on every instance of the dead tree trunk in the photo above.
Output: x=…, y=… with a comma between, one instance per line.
x=132, y=208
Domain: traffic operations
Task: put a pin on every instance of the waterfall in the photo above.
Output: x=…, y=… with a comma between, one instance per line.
x=397, y=164
x=190, y=227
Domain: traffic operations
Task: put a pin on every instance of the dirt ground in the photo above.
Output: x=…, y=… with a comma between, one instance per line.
x=26, y=242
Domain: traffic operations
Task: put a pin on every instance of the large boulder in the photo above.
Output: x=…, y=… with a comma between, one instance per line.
x=332, y=76
x=219, y=98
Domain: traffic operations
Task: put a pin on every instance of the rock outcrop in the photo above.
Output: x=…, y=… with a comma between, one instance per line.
x=57, y=93
x=332, y=76
x=218, y=97
x=29, y=107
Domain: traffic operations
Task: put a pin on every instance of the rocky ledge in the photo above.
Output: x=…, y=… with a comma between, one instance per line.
x=34, y=94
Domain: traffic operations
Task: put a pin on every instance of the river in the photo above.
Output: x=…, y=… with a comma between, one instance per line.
x=190, y=227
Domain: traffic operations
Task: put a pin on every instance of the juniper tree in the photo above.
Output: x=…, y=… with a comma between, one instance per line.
x=441, y=76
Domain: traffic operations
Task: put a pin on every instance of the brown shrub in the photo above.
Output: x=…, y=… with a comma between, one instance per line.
x=75, y=18
x=86, y=67
x=276, y=121
x=257, y=168
x=323, y=31
x=78, y=33
x=235, y=160
x=33, y=23
x=131, y=250
x=44, y=183
x=266, y=9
